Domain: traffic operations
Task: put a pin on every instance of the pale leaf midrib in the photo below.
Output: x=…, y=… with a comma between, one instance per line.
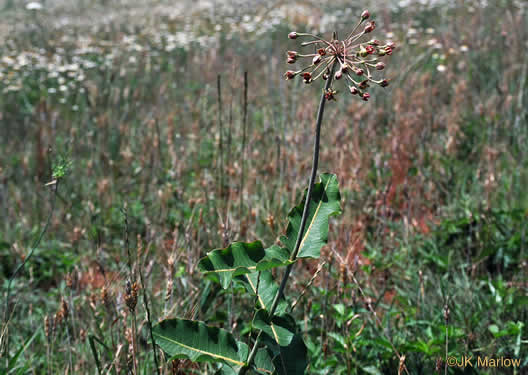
x=231, y=269
x=276, y=336
x=313, y=218
x=201, y=351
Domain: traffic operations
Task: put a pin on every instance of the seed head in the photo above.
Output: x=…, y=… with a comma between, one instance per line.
x=446, y=313
x=131, y=294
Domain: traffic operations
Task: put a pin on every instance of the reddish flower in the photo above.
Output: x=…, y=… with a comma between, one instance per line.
x=350, y=55
x=370, y=27
x=330, y=94
x=363, y=85
x=290, y=74
x=365, y=14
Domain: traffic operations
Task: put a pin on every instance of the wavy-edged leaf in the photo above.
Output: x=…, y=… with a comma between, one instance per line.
x=182, y=338
x=281, y=328
x=324, y=203
x=241, y=258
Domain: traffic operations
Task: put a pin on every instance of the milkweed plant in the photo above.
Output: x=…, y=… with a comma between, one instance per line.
x=276, y=346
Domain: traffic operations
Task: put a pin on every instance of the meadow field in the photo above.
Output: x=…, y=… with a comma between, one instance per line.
x=138, y=136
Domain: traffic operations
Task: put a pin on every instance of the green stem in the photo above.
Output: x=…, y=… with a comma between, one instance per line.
x=315, y=163
x=21, y=266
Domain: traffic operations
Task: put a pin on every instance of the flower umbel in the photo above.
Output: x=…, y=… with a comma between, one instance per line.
x=356, y=60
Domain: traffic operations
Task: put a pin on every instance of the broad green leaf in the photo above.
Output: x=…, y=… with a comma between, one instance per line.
x=241, y=258
x=181, y=338
x=494, y=329
x=276, y=256
x=324, y=203
x=339, y=338
x=281, y=328
x=291, y=359
x=263, y=363
x=226, y=370
x=371, y=370
x=267, y=289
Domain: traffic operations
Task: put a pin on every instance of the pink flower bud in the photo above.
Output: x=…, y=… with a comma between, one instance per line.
x=317, y=59
x=325, y=76
x=291, y=60
x=292, y=35
x=358, y=71
x=363, y=85
x=321, y=51
x=338, y=74
x=345, y=67
x=391, y=44
x=366, y=96
x=370, y=50
x=365, y=14
x=353, y=90
x=307, y=77
x=380, y=66
x=292, y=53
x=289, y=74
x=384, y=83
x=370, y=27
x=374, y=42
